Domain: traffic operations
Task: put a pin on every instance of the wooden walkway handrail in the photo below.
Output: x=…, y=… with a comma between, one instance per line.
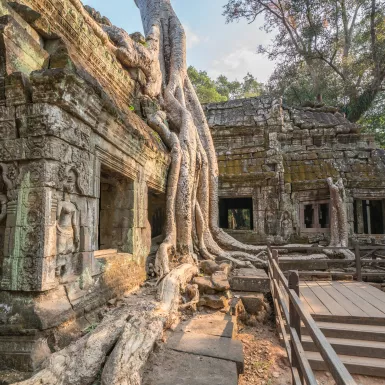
x=293, y=315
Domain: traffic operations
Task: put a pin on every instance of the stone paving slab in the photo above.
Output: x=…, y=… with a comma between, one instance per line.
x=208, y=346
x=215, y=326
x=178, y=368
x=251, y=280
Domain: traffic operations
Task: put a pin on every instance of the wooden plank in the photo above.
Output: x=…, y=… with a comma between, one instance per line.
x=358, y=301
x=365, y=295
x=303, y=299
x=373, y=349
x=377, y=321
x=355, y=365
x=330, y=303
x=352, y=331
x=372, y=290
x=307, y=306
x=317, y=306
x=346, y=303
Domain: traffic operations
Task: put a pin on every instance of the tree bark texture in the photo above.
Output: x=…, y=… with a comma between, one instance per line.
x=192, y=190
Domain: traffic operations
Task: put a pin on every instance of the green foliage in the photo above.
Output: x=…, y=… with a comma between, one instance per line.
x=323, y=48
x=204, y=86
x=222, y=89
x=373, y=121
x=90, y=328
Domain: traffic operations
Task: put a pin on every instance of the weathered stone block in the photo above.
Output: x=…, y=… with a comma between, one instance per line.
x=250, y=280
x=22, y=52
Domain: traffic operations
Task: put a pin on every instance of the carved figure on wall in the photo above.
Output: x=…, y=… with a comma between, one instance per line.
x=3, y=207
x=286, y=226
x=9, y=179
x=339, y=234
x=67, y=219
x=270, y=222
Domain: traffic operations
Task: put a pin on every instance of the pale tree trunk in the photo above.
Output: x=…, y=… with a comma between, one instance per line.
x=339, y=227
x=192, y=190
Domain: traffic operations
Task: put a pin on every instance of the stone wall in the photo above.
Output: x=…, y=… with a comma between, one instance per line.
x=281, y=157
x=72, y=131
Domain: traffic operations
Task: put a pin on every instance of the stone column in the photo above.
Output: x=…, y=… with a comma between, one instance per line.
x=142, y=229
x=30, y=244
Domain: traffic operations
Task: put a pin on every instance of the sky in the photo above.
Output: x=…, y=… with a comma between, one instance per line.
x=212, y=45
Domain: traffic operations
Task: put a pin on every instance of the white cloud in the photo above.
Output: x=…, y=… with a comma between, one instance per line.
x=236, y=64
x=192, y=38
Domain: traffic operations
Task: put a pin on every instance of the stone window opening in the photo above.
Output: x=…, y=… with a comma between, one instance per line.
x=315, y=216
x=236, y=213
x=116, y=212
x=369, y=216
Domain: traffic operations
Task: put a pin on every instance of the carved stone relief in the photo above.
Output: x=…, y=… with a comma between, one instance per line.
x=286, y=226
x=67, y=217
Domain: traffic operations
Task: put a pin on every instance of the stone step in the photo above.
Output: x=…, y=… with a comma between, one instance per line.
x=179, y=368
x=214, y=325
x=250, y=280
x=208, y=346
x=305, y=262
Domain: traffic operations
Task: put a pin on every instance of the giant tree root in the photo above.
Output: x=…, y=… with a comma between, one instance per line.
x=127, y=336
x=171, y=286
x=130, y=354
x=80, y=362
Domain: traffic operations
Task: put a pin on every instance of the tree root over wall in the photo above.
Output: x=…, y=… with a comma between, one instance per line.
x=119, y=347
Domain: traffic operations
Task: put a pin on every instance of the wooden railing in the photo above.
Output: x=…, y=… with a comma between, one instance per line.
x=361, y=254
x=291, y=315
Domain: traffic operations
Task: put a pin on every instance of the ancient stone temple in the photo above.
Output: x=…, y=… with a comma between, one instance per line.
x=81, y=176
x=274, y=162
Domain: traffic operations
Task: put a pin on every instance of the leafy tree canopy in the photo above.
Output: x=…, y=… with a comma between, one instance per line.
x=222, y=89
x=373, y=121
x=330, y=49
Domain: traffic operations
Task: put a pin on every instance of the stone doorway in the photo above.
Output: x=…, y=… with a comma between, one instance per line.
x=156, y=212
x=116, y=211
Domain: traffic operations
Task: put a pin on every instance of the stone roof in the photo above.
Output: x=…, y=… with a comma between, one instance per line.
x=257, y=111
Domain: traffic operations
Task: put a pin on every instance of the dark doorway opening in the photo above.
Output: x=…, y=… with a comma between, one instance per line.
x=156, y=212
x=372, y=215
x=236, y=213
x=116, y=211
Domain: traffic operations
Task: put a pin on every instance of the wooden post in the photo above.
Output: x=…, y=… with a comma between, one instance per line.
x=276, y=280
x=358, y=261
x=295, y=321
x=275, y=272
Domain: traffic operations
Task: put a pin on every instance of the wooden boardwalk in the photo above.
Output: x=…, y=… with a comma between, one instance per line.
x=352, y=316
x=344, y=301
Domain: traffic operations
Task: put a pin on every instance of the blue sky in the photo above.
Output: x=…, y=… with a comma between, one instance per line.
x=212, y=45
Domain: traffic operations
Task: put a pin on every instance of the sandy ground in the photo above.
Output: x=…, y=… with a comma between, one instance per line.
x=266, y=362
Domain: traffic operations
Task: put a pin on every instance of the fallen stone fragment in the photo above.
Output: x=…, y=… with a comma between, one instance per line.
x=209, y=267
x=205, y=285
x=214, y=301
x=220, y=281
